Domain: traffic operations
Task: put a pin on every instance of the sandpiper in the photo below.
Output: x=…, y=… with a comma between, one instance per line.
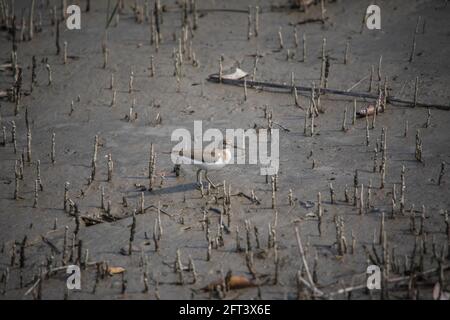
x=206, y=160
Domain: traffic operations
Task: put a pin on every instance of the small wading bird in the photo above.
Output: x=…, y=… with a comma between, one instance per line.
x=206, y=159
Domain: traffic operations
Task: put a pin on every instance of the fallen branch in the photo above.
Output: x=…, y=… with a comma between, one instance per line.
x=310, y=20
x=48, y=272
x=91, y=221
x=305, y=264
x=315, y=291
x=357, y=83
x=391, y=280
x=160, y=209
x=284, y=128
x=261, y=84
x=242, y=194
x=50, y=244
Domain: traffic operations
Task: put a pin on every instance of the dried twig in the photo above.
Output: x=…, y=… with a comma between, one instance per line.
x=287, y=87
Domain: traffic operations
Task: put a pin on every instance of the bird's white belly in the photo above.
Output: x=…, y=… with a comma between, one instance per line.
x=219, y=164
x=210, y=166
x=205, y=165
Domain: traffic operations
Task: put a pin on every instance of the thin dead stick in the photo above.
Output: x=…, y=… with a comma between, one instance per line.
x=50, y=272
x=391, y=280
x=357, y=83
x=161, y=210
x=281, y=126
x=305, y=264
x=261, y=84
x=314, y=289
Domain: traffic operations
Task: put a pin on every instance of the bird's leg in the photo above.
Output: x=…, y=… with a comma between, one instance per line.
x=209, y=180
x=199, y=177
